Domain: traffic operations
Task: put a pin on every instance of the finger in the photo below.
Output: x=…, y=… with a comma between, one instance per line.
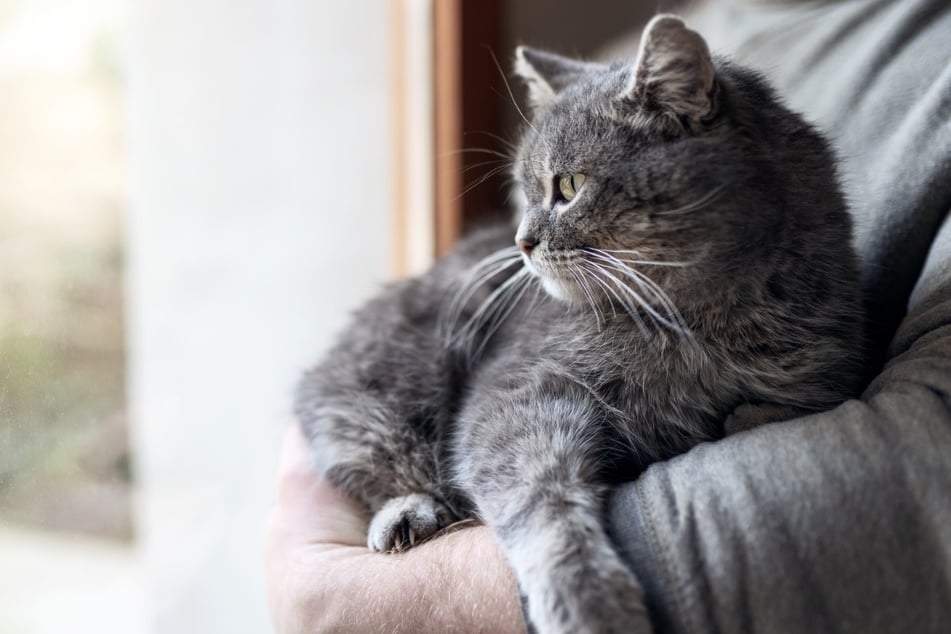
x=309, y=508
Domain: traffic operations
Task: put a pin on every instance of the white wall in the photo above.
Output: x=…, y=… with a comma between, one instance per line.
x=259, y=136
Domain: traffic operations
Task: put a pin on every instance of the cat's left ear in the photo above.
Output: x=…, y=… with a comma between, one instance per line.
x=547, y=74
x=674, y=73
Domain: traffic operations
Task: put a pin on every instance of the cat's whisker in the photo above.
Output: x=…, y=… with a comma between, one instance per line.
x=509, y=159
x=509, y=145
x=477, y=150
x=473, y=166
x=588, y=296
x=643, y=280
x=610, y=253
x=658, y=291
x=674, y=321
x=464, y=295
x=597, y=305
x=647, y=284
x=596, y=272
x=494, y=307
x=504, y=254
x=538, y=293
x=485, y=269
x=659, y=263
x=623, y=268
x=671, y=323
x=694, y=206
x=493, y=318
x=508, y=303
x=482, y=179
x=482, y=313
x=473, y=283
x=613, y=290
x=518, y=108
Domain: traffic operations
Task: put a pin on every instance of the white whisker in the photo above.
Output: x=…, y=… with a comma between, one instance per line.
x=642, y=280
x=612, y=253
x=658, y=262
x=694, y=206
x=673, y=320
x=643, y=303
x=597, y=271
x=489, y=306
x=589, y=297
x=508, y=87
x=478, y=275
x=505, y=307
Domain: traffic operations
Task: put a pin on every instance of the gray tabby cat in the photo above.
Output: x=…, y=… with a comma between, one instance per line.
x=695, y=253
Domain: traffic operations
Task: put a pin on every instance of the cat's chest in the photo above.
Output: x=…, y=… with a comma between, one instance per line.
x=620, y=363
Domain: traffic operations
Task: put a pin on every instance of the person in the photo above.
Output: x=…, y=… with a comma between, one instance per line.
x=835, y=522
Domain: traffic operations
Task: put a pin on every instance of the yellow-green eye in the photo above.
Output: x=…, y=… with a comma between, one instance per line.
x=569, y=184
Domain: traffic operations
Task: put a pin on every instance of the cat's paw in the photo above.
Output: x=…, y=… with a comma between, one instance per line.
x=405, y=521
x=603, y=598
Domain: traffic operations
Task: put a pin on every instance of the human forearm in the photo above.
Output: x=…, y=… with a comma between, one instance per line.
x=457, y=583
x=322, y=578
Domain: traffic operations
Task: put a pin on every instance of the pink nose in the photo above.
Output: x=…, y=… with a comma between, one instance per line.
x=526, y=245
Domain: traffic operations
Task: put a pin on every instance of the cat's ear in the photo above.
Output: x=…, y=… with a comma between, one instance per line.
x=546, y=74
x=674, y=73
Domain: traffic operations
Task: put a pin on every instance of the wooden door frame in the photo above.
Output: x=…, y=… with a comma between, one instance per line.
x=459, y=61
x=466, y=39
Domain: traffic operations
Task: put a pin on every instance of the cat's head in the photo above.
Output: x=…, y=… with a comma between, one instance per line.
x=646, y=176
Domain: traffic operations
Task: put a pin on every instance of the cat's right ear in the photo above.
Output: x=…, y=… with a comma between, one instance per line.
x=674, y=73
x=546, y=74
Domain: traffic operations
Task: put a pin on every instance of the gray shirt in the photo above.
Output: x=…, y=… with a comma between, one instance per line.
x=841, y=521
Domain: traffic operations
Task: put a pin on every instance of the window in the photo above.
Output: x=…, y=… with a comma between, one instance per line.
x=66, y=527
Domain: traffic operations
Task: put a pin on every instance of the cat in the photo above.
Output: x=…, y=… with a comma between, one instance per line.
x=682, y=269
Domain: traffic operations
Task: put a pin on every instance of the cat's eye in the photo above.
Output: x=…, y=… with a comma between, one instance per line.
x=569, y=184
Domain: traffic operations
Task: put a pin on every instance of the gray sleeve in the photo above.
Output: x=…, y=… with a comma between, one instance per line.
x=836, y=522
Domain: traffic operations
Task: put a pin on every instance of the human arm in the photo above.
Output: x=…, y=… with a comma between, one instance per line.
x=839, y=521
x=321, y=576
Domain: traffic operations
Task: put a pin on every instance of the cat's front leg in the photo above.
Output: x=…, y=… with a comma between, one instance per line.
x=531, y=464
x=373, y=446
x=370, y=451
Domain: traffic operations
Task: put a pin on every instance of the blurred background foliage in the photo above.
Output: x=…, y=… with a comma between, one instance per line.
x=64, y=459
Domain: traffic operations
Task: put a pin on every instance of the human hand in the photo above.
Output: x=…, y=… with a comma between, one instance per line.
x=322, y=577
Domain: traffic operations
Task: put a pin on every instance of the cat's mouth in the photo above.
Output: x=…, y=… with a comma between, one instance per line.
x=556, y=274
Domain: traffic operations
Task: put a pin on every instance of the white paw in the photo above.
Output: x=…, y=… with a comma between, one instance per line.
x=404, y=521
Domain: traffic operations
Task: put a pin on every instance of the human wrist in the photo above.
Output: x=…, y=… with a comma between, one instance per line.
x=458, y=582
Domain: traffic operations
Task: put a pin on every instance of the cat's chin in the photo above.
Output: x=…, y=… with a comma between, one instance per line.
x=555, y=287
x=558, y=289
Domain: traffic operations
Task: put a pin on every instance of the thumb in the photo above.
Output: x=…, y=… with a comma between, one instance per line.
x=309, y=508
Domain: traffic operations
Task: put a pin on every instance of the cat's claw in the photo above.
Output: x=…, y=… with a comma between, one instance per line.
x=405, y=521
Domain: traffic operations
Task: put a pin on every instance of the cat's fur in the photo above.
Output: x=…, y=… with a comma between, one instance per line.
x=468, y=392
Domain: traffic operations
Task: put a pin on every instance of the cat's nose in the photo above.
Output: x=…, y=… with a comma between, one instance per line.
x=526, y=244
